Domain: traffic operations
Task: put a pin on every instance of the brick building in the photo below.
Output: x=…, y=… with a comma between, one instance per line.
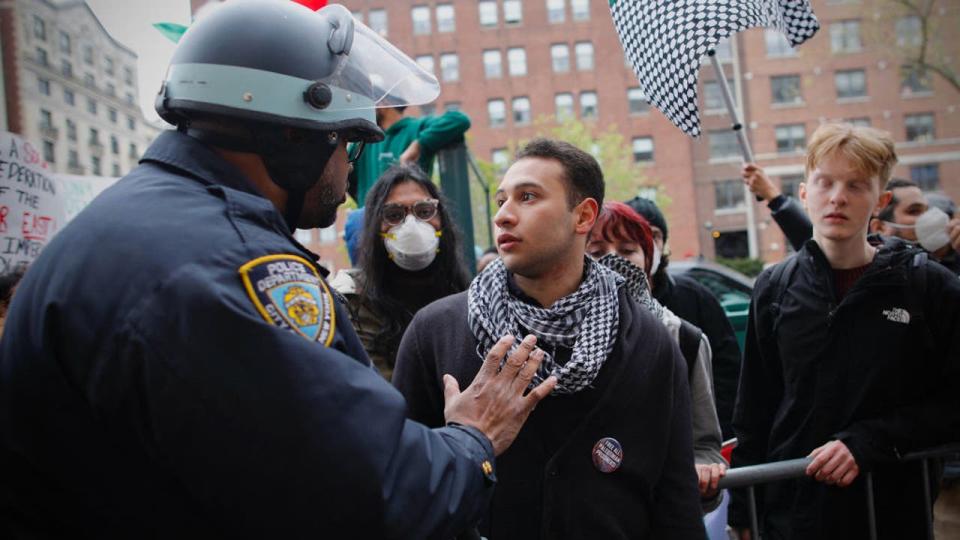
x=508, y=62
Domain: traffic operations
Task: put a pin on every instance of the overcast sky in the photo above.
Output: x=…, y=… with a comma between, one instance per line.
x=130, y=22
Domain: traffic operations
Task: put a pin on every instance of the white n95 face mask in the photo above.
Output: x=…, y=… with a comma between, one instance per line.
x=931, y=229
x=655, y=264
x=413, y=244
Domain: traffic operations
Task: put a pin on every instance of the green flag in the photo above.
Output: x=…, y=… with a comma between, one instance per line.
x=171, y=31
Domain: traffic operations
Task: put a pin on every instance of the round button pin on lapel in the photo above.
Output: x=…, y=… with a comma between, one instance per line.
x=607, y=455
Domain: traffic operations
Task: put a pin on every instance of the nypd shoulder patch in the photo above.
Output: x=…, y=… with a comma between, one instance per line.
x=288, y=292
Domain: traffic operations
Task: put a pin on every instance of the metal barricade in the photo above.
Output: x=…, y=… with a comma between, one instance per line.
x=751, y=476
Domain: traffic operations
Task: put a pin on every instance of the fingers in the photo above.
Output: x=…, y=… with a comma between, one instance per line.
x=541, y=391
x=491, y=364
x=849, y=477
x=527, y=372
x=717, y=471
x=518, y=357
x=833, y=464
x=451, y=388
x=836, y=463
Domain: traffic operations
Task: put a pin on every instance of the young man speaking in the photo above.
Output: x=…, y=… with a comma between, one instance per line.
x=608, y=454
x=851, y=358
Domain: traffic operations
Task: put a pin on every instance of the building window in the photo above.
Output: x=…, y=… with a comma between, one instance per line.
x=723, y=51
x=43, y=86
x=128, y=75
x=450, y=67
x=132, y=151
x=421, y=20
x=909, y=31
x=731, y=244
x=378, y=21
x=89, y=80
x=851, y=83
x=452, y=106
x=580, y=9
x=919, y=127
x=845, y=36
x=637, y=101
x=859, y=122
x=131, y=123
x=91, y=106
x=73, y=159
x=521, y=111
x=446, y=21
x=724, y=144
x=112, y=90
x=46, y=119
x=426, y=62
x=491, y=64
x=560, y=57
x=39, y=28
x=588, y=105
x=129, y=98
x=790, y=184
x=42, y=57
x=512, y=11
x=926, y=176
x=790, y=138
x=729, y=194
x=517, y=61
x=49, y=154
x=556, y=11
x=66, y=68
x=112, y=115
x=94, y=137
x=563, y=103
x=584, y=52
x=65, y=47
x=108, y=65
x=914, y=80
x=114, y=145
x=116, y=169
x=777, y=44
x=488, y=13
x=713, y=95
x=785, y=89
x=428, y=109
x=95, y=167
x=642, y=149
x=497, y=112
x=88, y=55
x=68, y=97
x=500, y=158
x=71, y=130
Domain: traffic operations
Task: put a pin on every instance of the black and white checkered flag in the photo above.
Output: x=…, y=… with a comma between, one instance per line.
x=665, y=40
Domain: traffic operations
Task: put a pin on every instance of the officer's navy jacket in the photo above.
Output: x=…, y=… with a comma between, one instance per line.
x=173, y=364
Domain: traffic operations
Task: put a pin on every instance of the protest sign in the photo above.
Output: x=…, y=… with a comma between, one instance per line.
x=30, y=211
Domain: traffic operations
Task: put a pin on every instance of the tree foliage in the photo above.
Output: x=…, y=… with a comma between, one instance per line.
x=934, y=50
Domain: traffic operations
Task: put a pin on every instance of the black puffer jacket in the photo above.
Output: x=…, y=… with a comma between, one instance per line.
x=876, y=370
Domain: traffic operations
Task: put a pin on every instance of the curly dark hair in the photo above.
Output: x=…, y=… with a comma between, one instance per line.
x=448, y=273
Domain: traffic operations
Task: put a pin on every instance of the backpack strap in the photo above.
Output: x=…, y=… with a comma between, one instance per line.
x=689, y=338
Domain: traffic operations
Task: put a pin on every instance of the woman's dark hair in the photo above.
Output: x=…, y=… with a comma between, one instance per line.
x=448, y=273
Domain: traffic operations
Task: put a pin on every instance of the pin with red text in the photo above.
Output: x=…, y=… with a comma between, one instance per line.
x=607, y=455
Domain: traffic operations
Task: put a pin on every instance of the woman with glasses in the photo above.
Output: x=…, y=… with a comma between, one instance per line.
x=409, y=256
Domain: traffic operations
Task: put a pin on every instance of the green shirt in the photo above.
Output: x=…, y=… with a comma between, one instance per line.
x=433, y=133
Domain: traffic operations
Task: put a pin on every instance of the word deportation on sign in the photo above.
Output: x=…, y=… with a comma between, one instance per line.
x=34, y=202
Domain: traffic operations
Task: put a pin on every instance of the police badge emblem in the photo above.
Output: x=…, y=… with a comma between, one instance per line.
x=288, y=292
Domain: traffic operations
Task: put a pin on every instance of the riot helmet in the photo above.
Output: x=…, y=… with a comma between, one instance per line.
x=297, y=82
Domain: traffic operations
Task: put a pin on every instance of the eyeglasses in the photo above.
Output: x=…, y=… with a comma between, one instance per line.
x=395, y=213
x=355, y=150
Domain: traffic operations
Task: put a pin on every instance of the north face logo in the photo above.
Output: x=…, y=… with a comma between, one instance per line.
x=899, y=315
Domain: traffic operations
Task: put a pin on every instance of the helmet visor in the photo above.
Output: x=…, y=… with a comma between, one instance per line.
x=379, y=73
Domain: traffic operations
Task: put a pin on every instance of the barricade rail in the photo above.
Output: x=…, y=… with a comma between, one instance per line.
x=750, y=476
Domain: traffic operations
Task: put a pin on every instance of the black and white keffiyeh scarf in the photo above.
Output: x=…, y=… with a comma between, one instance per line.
x=636, y=282
x=585, y=321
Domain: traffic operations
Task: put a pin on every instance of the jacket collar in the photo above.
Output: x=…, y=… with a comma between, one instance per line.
x=180, y=151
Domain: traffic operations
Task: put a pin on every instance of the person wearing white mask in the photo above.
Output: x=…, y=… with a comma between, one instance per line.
x=409, y=256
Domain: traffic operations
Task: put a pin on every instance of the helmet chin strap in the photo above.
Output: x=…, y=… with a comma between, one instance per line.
x=293, y=163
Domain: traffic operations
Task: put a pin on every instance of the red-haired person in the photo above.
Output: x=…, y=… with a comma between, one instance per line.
x=623, y=241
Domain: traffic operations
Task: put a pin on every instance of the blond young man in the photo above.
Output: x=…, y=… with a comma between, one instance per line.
x=851, y=357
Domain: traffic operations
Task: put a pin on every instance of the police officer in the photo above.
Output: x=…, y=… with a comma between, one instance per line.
x=174, y=363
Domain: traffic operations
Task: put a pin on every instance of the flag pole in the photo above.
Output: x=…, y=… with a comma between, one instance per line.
x=744, y=149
